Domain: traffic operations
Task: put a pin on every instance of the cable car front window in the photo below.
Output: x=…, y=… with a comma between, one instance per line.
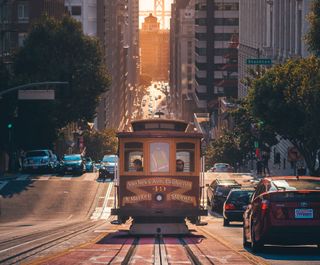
x=185, y=156
x=159, y=157
x=133, y=153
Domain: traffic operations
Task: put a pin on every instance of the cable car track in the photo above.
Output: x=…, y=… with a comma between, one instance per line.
x=23, y=251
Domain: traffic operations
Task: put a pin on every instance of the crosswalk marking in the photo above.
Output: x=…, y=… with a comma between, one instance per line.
x=2, y=184
x=23, y=177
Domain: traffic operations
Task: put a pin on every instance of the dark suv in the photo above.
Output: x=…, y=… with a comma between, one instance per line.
x=218, y=191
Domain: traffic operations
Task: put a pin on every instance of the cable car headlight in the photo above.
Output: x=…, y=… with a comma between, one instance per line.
x=159, y=197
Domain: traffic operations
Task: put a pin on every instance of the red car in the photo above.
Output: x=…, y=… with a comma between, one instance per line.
x=283, y=210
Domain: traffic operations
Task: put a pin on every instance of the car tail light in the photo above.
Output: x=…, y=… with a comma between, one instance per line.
x=264, y=206
x=229, y=206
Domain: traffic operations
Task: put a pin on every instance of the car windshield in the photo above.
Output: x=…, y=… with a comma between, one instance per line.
x=221, y=165
x=241, y=195
x=72, y=158
x=296, y=184
x=110, y=159
x=36, y=153
x=224, y=190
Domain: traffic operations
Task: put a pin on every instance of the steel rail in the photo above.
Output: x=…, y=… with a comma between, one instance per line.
x=192, y=257
x=33, y=250
x=25, y=238
x=131, y=251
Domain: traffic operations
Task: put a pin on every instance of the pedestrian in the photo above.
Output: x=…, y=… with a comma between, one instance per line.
x=265, y=160
x=259, y=167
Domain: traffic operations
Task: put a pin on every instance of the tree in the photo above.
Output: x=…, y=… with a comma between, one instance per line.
x=287, y=99
x=57, y=50
x=313, y=36
x=249, y=129
x=99, y=144
x=224, y=149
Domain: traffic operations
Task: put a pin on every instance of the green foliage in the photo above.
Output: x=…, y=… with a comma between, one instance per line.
x=99, y=144
x=59, y=51
x=313, y=36
x=224, y=149
x=287, y=99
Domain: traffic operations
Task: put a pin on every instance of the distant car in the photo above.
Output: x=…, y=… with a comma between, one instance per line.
x=89, y=164
x=39, y=160
x=221, y=167
x=283, y=210
x=107, y=168
x=73, y=163
x=235, y=205
x=218, y=191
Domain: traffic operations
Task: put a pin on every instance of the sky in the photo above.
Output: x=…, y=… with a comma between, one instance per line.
x=149, y=4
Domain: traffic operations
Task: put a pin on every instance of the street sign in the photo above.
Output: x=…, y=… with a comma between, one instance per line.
x=47, y=94
x=264, y=61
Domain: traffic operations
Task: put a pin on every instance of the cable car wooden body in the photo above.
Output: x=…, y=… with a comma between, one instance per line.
x=159, y=196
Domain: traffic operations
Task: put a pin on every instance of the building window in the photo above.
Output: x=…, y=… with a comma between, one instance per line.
x=21, y=38
x=226, y=21
x=23, y=12
x=226, y=6
x=76, y=10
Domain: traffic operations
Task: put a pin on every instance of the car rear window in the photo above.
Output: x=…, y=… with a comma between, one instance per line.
x=110, y=159
x=225, y=189
x=72, y=158
x=36, y=153
x=296, y=184
x=243, y=194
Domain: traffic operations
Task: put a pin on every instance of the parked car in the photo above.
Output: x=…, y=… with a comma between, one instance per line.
x=89, y=164
x=73, y=163
x=107, y=168
x=235, y=205
x=221, y=167
x=283, y=210
x=218, y=191
x=39, y=160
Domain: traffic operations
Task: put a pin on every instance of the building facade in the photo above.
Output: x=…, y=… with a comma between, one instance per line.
x=154, y=49
x=216, y=54
x=16, y=18
x=182, y=59
x=272, y=29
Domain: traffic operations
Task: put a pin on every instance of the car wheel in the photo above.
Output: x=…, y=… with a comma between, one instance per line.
x=256, y=246
x=244, y=239
x=226, y=222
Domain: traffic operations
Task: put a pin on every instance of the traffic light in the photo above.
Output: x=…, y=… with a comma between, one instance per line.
x=10, y=125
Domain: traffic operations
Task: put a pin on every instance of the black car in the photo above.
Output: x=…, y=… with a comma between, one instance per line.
x=218, y=191
x=235, y=205
x=74, y=164
x=107, y=166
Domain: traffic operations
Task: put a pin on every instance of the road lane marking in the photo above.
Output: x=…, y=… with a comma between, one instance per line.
x=23, y=177
x=2, y=184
